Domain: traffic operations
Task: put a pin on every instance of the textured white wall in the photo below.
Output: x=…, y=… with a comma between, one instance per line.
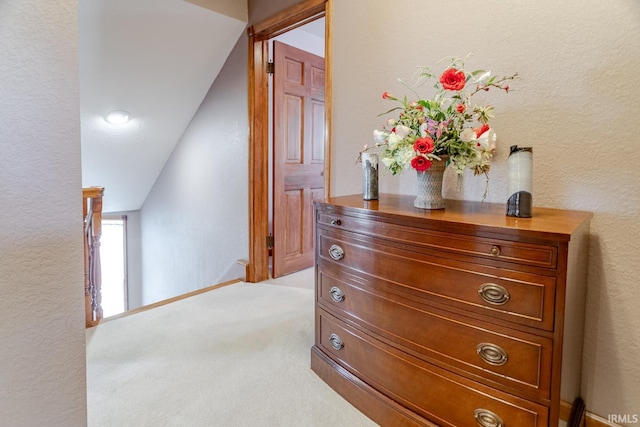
x=195, y=219
x=42, y=353
x=576, y=105
x=233, y=8
x=260, y=10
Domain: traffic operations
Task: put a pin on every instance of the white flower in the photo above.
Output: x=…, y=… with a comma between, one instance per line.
x=468, y=135
x=394, y=139
x=387, y=161
x=487, y=141
x=403, y=131
x=391, y=122
x=380, y=136
x=423, y=130
x=404, y=157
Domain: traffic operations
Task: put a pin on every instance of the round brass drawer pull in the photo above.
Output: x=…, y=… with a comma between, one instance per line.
x=336, y=294
x=495, y=250
x=336, y=252
x=336, y=221
x=494, y=294
x=336, y=342
x=486, y=418
x=492, y=354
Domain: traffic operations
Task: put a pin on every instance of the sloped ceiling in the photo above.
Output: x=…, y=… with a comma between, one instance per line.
x=155, y=59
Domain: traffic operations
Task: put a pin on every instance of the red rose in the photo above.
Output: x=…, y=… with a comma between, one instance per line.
x=461, y=108
x=420, y=163
x=453, y=79
x=424, y=145
x=482, y=129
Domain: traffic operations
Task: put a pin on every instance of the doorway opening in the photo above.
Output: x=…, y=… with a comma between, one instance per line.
x=113, y=260
x=259, y=184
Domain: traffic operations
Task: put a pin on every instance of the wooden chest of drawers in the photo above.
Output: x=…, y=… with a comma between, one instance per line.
x=455, y=317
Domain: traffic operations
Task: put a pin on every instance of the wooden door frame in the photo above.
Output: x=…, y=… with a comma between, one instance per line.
x=259, y=34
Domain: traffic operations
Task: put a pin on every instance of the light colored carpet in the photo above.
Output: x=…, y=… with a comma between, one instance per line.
x=235, y=356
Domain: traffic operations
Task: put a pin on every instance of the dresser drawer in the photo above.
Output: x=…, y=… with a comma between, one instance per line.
x=447, y=243
x=494, y=355
x=511, y=295
x=443, y=397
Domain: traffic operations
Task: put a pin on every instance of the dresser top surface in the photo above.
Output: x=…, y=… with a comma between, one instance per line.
x=465, y=214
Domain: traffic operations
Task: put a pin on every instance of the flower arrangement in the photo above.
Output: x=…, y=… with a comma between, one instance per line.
x=448, y=124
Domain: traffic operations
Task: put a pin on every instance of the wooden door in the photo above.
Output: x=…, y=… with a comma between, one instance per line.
x=298, y=155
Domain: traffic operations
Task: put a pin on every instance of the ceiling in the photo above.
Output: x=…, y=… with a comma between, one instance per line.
x=155, y=59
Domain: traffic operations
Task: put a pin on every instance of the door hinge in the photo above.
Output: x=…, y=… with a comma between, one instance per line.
x=270, y=241
x=270, y=67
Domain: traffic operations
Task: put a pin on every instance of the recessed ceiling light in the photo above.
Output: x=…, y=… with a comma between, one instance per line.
x=117, y=117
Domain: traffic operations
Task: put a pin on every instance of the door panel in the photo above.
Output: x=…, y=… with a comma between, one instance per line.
x=295, y=223
x=295, y=135
x=317, y=133
x=298, y=155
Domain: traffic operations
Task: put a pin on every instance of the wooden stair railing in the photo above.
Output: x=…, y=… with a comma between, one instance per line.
x=92, y=214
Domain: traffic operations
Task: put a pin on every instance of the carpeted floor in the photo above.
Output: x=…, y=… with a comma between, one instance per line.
x=235, y=356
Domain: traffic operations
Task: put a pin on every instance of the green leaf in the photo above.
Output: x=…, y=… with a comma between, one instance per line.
x=387, y=112
x=476, y=72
